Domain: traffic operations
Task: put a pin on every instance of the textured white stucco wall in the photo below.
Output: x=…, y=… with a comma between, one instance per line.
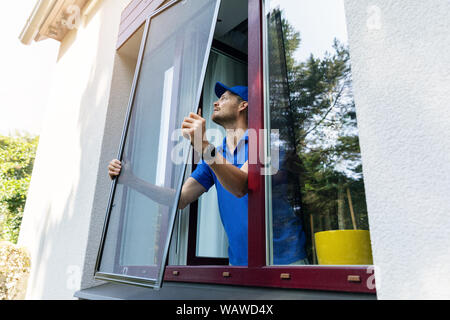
x=58, y=211
x=401, y=70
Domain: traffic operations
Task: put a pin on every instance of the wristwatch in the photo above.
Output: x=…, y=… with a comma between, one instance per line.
x=209, y=153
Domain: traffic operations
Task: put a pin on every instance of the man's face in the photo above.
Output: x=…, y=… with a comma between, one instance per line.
x=226, y=109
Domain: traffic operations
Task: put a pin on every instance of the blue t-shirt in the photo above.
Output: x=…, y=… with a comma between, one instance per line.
x=288, y=234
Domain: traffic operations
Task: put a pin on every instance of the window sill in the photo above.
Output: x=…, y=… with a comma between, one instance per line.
x=191, y=291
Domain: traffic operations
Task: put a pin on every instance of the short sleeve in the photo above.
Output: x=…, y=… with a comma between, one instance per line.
x=203, y=174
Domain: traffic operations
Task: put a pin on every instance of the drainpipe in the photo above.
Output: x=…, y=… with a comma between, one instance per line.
x=34, y=22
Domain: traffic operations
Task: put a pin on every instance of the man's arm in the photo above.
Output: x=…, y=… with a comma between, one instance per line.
x=234, y=179
x=190, y=191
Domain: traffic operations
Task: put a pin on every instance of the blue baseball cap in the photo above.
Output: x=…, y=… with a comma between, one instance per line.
x=241, y=91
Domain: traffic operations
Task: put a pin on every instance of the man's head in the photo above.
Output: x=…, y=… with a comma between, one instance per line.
x=232, y=105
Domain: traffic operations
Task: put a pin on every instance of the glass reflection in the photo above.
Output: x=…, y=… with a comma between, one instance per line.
x=320, y=184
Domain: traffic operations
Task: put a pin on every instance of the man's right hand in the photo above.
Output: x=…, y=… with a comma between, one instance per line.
x=114, y=168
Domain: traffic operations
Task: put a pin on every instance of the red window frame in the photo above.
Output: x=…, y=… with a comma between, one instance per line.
x=346, y=278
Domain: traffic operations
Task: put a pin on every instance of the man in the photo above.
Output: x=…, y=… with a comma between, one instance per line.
x=225, y=166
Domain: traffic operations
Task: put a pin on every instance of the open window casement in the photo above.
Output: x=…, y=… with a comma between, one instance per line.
x=166, y=87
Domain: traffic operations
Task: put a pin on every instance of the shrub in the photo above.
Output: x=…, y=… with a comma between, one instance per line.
x=15, y=266
x=16, y=164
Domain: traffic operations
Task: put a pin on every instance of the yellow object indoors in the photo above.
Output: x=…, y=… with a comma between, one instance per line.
x=343, y=247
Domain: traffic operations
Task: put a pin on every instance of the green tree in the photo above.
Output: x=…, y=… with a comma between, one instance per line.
x=328, y=138
x=17, y=156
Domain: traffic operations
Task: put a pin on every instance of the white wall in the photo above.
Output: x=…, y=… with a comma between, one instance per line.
x=60, y=202
x=401, y=69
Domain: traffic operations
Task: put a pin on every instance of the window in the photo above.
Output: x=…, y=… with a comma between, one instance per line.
x=269, y=81
x=316, y=206
x=135, y=244
x=201, y=239
x=211, y=239
x=144, y=198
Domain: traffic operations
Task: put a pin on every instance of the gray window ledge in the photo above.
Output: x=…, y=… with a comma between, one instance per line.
x=196, y=291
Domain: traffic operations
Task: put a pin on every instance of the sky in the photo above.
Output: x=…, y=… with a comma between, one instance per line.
x=318, y=21
x=25, y=71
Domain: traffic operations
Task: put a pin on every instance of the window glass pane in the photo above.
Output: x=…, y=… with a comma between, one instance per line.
x=168, y=88
x=316, y=201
